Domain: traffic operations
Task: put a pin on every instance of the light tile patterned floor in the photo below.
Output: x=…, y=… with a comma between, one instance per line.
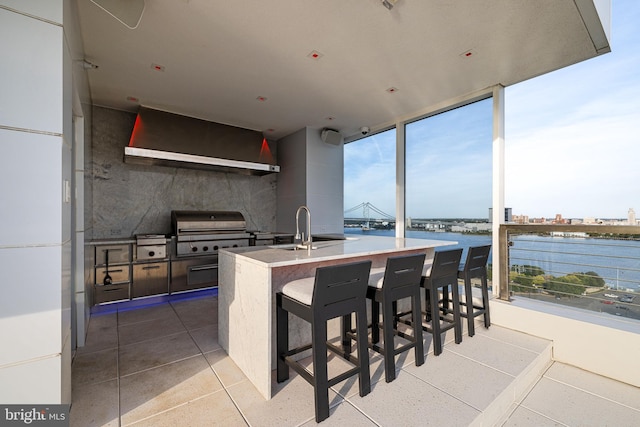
x=162, y=366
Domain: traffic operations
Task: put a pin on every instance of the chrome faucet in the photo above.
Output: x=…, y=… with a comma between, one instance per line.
x=299, y=237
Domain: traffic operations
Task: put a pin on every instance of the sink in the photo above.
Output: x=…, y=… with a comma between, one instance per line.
x=292, y=247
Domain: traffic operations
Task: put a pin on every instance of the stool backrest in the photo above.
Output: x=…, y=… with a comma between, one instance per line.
x=444, y=270
x=477, y=257
x=340, y=284
x=405, y=270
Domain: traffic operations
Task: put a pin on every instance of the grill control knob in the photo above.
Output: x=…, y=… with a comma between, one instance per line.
x=194, y=249
x=205, y=248
x=151, y=253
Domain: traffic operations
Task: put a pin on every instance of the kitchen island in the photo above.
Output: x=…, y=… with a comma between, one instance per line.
x=249, y=278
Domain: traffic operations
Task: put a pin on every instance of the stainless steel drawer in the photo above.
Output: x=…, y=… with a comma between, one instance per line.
x=117, y=254
x=193, y=273
x=110, y=293
x=150, y=279
x=118, y=273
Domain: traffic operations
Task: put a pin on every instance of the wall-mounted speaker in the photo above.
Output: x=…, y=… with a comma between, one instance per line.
x=331, y=136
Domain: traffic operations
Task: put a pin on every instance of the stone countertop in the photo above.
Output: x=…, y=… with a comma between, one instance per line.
x=112, y=241
x=284, y=255
x=117, y=241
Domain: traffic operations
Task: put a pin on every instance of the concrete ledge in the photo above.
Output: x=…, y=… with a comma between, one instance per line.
x=590, y=341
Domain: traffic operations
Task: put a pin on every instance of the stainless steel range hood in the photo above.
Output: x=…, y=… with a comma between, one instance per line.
x=166, y=139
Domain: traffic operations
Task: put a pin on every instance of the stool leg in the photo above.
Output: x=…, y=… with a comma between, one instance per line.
x=394, y=306
x=387, y=329
x=282, y=340
x=363, y=351
x=320, y=370
x=469, y=303
x=485, y=301
x=435, y=322
x=375, y=321
x=456, y=314
x=427, y=304
x=345, y=324
x=417, y=327
x=445, y=299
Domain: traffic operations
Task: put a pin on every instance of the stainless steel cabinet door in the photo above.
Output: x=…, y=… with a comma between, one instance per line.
x=150, y=279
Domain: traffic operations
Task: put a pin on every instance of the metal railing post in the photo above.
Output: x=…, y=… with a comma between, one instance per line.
x=503, y=273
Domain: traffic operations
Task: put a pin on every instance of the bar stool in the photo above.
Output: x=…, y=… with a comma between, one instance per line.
x=442, y=274
x=400, y=279
x=475, y=267
x=336, y=291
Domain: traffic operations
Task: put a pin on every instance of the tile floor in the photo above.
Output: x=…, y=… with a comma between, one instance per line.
x=162, y=366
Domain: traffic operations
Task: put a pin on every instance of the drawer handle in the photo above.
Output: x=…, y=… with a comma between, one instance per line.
x=203, y=267
x=151, y=267
x=112, y=250
x=112, y=289
x=116, y=271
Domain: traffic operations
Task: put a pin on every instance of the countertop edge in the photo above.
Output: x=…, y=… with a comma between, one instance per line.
x=412, y=244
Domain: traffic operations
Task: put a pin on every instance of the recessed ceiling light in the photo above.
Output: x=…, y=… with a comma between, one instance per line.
x=261, y=98
x=132, y=99
x=157, y=67
x=468, y=54
x=392, y=89
x=330, y=118
x=389, y=3
x=315, y=55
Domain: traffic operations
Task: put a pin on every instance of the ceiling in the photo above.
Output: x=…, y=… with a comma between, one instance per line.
x=250, y=63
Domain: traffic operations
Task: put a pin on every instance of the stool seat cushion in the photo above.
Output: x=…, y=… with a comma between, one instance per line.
x=376, y=277
x=426, y=269
x=300, y=290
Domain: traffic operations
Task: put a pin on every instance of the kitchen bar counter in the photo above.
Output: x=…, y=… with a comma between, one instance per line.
x=249, y=278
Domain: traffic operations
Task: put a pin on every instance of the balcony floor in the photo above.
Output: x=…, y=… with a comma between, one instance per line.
x=162, y=366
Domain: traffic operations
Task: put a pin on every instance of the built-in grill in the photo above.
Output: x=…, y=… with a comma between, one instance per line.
x=205, y=232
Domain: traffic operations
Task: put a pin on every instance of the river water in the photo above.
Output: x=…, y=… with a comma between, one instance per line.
x=616, y=261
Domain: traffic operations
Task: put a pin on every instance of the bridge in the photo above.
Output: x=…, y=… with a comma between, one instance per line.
x=366, y=222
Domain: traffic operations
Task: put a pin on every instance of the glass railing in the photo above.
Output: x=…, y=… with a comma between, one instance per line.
x=592, y=267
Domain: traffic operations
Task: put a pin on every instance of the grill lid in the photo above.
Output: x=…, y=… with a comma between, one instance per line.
x=207, y=221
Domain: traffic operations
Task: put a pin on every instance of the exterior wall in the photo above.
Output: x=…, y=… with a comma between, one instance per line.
x=312, y=175
x=35, y=236
x=292, y=181
x=325, y=184
x=130, y=199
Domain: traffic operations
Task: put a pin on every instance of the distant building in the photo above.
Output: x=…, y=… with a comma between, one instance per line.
x=631, y=217
x=507, y=215
x=559, y=220
x=471, y=227
x=568, y=234
x=520, y=219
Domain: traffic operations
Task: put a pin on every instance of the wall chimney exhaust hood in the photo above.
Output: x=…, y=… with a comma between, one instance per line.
x=166, y=139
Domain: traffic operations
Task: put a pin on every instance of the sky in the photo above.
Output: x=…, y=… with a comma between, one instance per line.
x=572, y=137
x=572, y=141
